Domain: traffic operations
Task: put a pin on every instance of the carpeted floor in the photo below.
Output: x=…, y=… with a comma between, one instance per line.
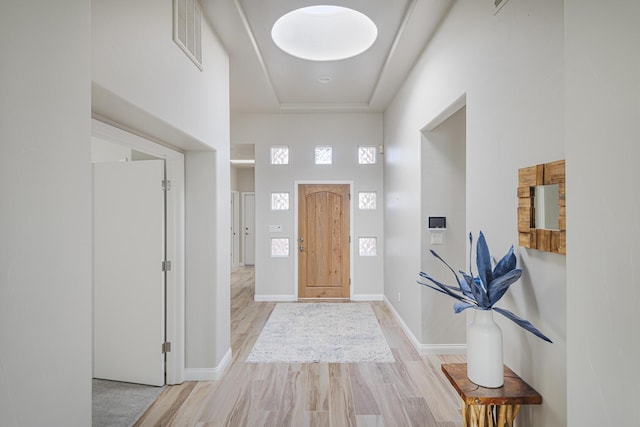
x=117, y=404
x=321, y=333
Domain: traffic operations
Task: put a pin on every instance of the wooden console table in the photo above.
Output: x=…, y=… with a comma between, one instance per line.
x=490, y=407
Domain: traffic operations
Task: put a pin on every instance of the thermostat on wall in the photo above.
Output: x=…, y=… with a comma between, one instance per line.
x=437, y=223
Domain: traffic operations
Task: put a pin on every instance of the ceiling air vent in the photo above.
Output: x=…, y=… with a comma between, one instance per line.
x=498, y=5
x=187, y=25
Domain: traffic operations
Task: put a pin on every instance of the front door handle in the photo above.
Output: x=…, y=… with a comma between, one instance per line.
x=301, y=248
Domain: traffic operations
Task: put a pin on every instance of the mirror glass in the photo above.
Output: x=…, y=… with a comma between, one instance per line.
x=546, y=207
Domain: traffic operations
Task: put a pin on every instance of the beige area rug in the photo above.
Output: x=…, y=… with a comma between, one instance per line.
x=321, y=333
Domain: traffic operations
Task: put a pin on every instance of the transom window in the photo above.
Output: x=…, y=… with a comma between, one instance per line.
x=324, y=155
x=279, y=155
x=280, y=247
x=367, y=155
x=367, y=200
x=367, y=246
x=279, y=201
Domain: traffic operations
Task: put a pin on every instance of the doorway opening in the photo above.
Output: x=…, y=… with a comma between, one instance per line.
x=242, y=157
x=443, y=196
x=122, y=163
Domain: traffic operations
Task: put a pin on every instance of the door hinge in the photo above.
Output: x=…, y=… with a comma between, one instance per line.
x=166, y=185
x=166, y=265
x=166, y=347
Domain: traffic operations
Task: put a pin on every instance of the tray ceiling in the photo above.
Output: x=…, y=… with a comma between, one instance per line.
x=263, y=78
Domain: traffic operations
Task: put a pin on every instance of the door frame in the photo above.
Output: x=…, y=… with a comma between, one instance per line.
x=296, y=185
x=175, y=226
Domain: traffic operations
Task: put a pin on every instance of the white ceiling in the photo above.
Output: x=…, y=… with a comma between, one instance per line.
x=266, y=79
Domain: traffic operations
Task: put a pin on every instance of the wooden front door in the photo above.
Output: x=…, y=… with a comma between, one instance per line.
x=323, y=241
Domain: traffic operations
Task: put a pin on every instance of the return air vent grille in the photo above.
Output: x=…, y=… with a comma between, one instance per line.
x=187, y=28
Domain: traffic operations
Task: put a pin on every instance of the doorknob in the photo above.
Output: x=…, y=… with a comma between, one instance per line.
x=301, y=248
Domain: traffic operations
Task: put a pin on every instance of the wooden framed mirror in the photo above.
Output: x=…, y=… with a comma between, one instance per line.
x=542, y=223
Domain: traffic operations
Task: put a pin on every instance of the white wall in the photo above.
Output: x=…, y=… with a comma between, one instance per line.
x=243, y=179
x=234, y=178
x=603, y=208
x=510, y=66
x=275, y=277
x=201, y=231
x=246, y=179
x=135, y=58
x=143, y=81
x=45, y=218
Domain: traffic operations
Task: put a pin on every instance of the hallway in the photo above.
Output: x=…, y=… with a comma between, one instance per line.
x=412, y=391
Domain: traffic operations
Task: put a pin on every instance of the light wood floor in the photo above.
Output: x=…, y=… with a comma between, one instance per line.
x=410, y=392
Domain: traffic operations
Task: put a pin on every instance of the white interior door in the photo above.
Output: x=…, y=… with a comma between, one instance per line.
x=235, y=229
x=248, y=225
x=129, y=287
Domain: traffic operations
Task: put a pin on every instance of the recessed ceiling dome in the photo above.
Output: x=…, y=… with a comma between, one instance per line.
x=324, y=33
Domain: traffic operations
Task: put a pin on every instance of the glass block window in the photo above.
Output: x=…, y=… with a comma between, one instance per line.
x=324, y=155
x=367, y=200
x=279, y=155
x=367, y=246
x=280, y=247
x=279, y=201
x=367, y=155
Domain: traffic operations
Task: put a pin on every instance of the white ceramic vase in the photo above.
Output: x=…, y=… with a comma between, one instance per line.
x=484, y=350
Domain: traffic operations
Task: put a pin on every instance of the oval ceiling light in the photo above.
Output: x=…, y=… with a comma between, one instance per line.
x=324, y=33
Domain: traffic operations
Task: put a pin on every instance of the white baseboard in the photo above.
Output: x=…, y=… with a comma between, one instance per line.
x=367, y=297
x=274, y=298
x=208, y=374
x=425, y=349
x=293, y=298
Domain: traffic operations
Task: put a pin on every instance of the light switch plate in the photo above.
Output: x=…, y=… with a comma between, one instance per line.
x=437, y=238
